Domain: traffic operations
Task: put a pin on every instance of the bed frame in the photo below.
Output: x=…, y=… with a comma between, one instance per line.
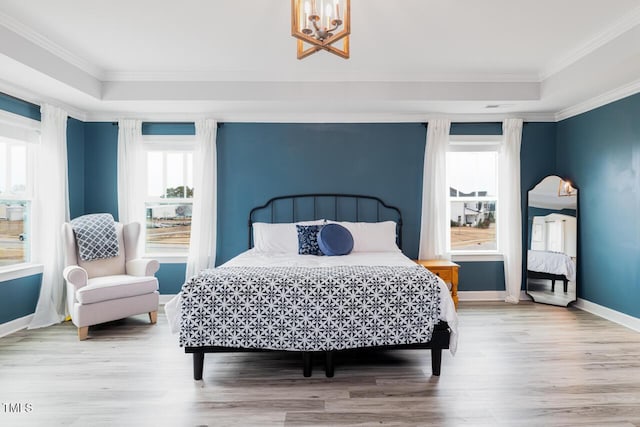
x=337, y=207
x=549, y=276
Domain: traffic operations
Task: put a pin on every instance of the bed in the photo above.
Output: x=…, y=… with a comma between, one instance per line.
x=270, y=298
x=549, y=265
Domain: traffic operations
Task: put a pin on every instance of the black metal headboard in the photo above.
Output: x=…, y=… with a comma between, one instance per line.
x=337, y=207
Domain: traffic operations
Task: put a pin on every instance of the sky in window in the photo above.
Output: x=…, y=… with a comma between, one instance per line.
x=18, y=168
x=13, y=167
x=175, y=174
x=472, y=171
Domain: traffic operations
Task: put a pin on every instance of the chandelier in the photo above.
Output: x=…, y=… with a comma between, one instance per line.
x=321, y=23
x=565, y=189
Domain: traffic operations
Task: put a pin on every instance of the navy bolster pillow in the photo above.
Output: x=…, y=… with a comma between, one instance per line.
x=334, y=239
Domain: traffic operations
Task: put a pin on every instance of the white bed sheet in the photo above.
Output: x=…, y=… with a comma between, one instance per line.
x=253, y=258
x=552, y=263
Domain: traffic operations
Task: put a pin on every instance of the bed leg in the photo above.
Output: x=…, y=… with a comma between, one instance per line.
x=553, y=285
x=198, y=364
x=566, y=286
x=306, y=363
x=436, y=361
x=328, y=364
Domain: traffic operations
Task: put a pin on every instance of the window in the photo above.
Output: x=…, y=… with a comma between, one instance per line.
x=169, y=197
x=472, y=179
x=15, y=200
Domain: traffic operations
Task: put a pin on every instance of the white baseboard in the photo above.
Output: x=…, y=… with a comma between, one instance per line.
x=609, y=314
x=488, y=296
x=15, y=325
x=165, y=298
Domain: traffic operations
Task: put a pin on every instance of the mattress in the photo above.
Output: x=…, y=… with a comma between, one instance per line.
x=552, y=263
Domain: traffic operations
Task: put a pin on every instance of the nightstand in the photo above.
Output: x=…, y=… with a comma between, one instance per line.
x=447, y=271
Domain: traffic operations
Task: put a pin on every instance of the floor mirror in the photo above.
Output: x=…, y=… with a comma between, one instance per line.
x=552, y=238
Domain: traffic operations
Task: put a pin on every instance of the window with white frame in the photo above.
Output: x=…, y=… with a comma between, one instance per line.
x=15, y=200
x=472, y=180
x=169, y=196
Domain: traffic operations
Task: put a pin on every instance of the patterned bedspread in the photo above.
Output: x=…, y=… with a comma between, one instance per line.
x=309, y=309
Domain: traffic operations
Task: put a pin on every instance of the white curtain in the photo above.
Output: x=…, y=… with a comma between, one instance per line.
x=131, y=170
x=202, y=246
x=509, y=208
x=49, y=210
x=433, y=227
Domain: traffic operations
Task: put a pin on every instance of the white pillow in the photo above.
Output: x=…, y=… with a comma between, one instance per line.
x=278, y=237
x=372, y=236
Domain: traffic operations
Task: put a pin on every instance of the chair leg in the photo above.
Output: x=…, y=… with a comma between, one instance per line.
x=153, y=317
x=83, y=332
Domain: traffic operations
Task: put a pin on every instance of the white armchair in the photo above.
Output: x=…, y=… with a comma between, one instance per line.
x=108, y=289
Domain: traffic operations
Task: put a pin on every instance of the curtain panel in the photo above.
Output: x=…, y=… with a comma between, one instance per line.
x=433, y=224
x=50, y=209
x=131, y=175
x=509, y=208
x=202, y=244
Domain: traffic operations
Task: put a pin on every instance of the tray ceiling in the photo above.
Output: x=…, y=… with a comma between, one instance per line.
x=233, y=60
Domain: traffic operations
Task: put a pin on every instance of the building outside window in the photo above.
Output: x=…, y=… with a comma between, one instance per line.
x=169, y=197
x=472, y=179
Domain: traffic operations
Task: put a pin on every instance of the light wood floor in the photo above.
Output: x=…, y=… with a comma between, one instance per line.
x=524, y=365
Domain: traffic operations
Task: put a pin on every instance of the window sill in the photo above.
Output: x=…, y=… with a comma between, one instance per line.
x=476, y=257
x=167, y=258
x=18, y=271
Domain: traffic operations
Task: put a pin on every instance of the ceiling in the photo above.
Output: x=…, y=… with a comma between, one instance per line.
x=236, y=60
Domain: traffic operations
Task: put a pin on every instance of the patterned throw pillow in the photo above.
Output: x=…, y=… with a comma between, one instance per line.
x=308, y=239
x=95, y=236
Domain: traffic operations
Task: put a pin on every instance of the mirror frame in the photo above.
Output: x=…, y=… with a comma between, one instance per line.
x=529, y=236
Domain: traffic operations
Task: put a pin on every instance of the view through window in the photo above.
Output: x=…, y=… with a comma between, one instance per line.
x=473, y=198
x=15, y=201
x=169, y=201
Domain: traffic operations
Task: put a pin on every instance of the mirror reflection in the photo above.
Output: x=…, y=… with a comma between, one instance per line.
x=552, y=213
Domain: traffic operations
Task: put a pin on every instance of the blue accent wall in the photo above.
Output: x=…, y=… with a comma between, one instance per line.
x=537, y=160
x=481, y=276
x=257, y=161
x=100, y=168
x=490, y=128
x=260, y=161
x=75, y=161
x=153, y=128
x=600, y=152
x=171, y=277
x=20, y=107
x=18, y=297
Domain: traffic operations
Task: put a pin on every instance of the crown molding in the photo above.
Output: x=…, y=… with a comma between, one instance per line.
x=240, y=117
x=347, y=77
x=50, y=46
x=628, y=22
x=599, y=101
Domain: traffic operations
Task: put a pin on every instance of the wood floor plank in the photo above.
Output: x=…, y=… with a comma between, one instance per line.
x=517, y=365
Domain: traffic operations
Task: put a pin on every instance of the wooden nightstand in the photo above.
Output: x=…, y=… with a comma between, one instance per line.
x=447, y=271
